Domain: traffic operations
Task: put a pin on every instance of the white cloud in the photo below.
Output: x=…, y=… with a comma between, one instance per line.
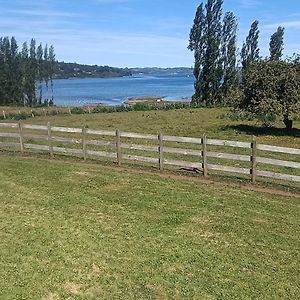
x=111, y=1
x=39, y=13
x=285, y=24
x=248, y=3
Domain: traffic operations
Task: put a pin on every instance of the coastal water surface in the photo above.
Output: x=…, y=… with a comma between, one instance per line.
x=114, y=91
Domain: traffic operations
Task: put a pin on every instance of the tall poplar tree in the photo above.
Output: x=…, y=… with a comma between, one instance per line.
x=197, y=45
x=276, y=44
x=250, y=49
x=212, y=71
x=6, y=78
x=46, y=71
x=22, y=72
x=205, y=41
x=2, y=76
x=25, y=70
x=229, y=50
x=39, y=57
x=32, y=73
x=52, y=64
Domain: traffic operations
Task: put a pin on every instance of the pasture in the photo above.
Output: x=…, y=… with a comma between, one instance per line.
x=73, y=231
x=92, y=231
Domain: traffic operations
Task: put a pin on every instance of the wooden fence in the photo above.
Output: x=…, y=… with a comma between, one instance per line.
x=159, y=150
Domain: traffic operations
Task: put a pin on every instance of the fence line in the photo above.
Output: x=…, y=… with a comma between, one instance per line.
x=160, y=148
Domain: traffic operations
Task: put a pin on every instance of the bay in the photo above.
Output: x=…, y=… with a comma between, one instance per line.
x=115, y=91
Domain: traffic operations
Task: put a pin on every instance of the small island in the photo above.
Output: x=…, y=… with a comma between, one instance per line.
x=144, y=99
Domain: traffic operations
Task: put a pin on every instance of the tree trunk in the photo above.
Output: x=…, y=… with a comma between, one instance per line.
x=288, y=123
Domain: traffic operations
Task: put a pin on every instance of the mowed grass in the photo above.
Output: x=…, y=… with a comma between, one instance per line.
x=75, y=232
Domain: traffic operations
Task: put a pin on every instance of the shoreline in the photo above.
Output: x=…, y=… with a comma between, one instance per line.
x=132, y=100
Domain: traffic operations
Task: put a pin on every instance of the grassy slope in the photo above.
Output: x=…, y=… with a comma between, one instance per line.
x=74, y=233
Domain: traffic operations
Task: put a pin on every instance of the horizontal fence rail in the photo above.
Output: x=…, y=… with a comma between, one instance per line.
x=123, y=141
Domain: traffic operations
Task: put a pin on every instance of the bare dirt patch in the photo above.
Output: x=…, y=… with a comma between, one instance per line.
x=51, y=296
x=73, y=288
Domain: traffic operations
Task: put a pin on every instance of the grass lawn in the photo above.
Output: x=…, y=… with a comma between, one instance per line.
x=74, y=232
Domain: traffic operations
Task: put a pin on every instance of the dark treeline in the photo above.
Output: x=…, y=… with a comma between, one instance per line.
x=262, y=88
x=73, y=70
x=24, y=72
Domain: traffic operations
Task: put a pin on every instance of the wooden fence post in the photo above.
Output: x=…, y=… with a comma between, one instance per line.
x=4, y=115
x=84, y=150
x=21, y=137
x=253, y=159
x=56, y=110
x=50, y=140
x=32, y=114
x=44, y=112
x=161, y=151
x=204, y=156
x=70, y=112
x=118, y=146
x=89, y=109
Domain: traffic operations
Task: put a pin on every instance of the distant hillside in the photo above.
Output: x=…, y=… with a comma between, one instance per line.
x=176, y=70
x=74, y=70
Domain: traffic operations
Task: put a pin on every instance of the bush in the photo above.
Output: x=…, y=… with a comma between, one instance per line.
x=77, y=111
x=21, y=116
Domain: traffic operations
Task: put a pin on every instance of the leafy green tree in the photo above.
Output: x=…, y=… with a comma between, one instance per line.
x=46, y=72
x=52, y=65
x=5, y=71
x=212, y=71
x=205, y=41
x=25, y=70
x=22, y=72
x=228, y=52
x=250, y=50
x=197, y=44
x=272, y=89
x=2, y=77
x=32, y=73
x=39, y=57
x=276, y=44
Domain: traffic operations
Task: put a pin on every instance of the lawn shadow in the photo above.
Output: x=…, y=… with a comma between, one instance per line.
x=259, y=130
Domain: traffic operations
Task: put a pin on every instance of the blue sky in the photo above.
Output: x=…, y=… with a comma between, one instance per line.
x=130, y=33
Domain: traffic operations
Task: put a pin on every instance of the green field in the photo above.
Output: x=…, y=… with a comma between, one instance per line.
x=191, y=122
x=71, y=231
x=87, y=232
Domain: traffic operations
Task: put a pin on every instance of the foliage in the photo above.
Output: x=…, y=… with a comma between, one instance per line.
x=276, y=44
x=22, y=73
x=205, y=42
x=74, y=70
x=250, y=50
x=228, y=52
x=272, y=88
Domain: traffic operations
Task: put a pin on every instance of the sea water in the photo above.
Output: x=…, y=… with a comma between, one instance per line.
x=115, y=91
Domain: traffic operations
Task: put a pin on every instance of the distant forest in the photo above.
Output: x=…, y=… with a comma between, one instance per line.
x=74, y=70
x=162, y=71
